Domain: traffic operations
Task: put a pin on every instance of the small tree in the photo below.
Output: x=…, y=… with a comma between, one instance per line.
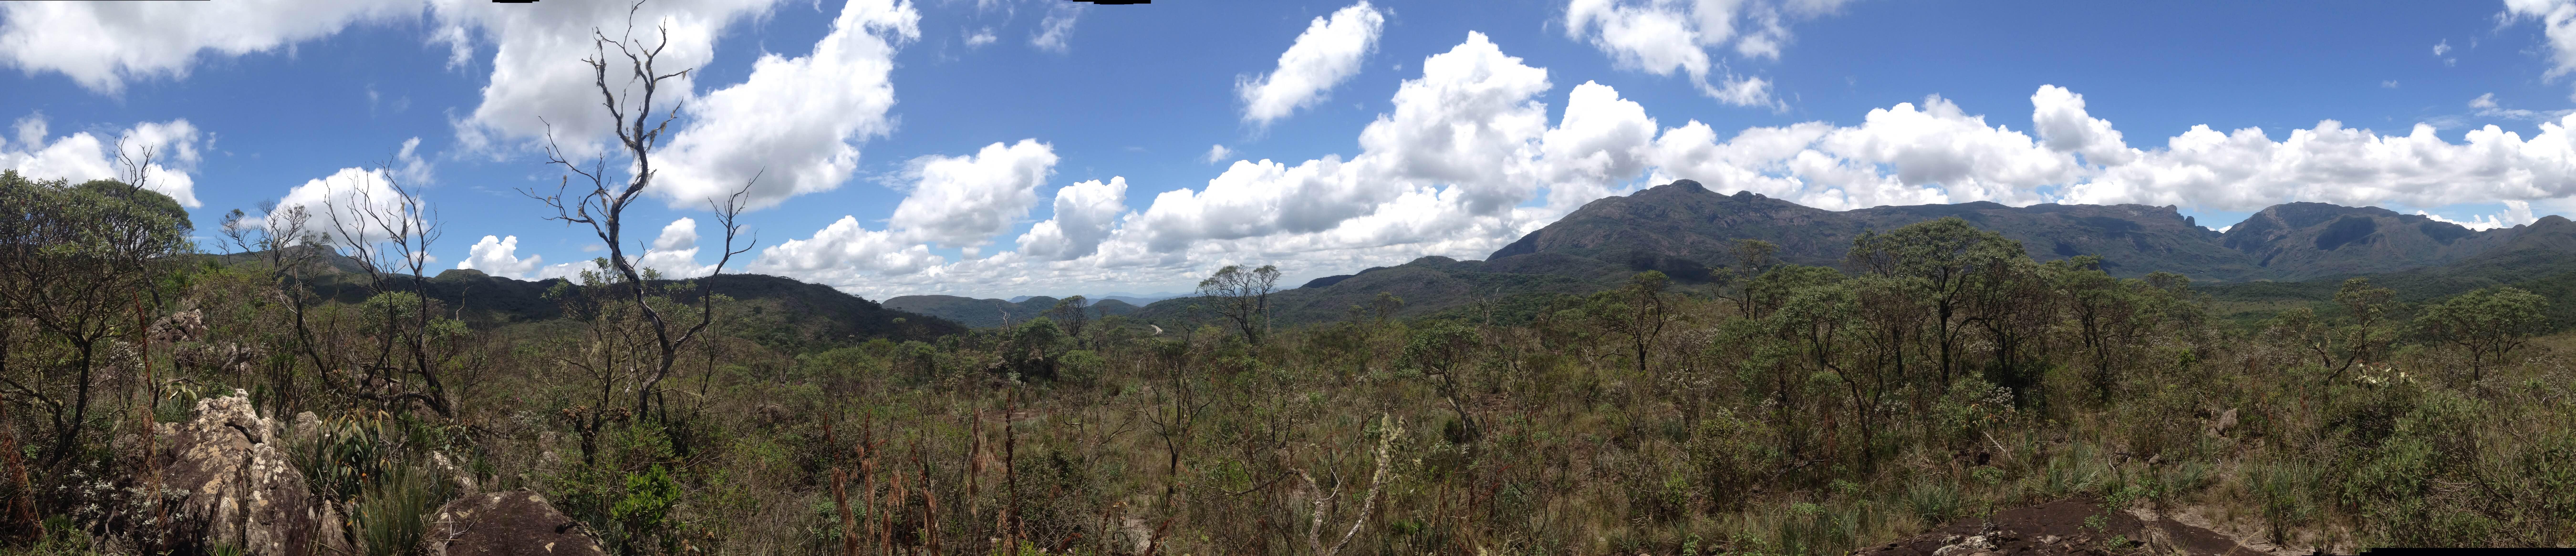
x=1441, y=351
x=2359, y=337
x=1243, y=296
x=1948, y=255
x=1637, y=311
x=1070, y=314
x=2490, y=323
x=73, y=260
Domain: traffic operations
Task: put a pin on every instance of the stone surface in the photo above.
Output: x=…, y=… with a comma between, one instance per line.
x=517, y=522
x=227, y=482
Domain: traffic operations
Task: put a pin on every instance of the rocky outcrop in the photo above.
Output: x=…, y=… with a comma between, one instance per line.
x=511, y=523
x=2072, y=526
x=226, y=482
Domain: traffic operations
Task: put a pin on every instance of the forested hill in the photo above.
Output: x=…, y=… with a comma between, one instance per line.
x=982, y=313
x=783, y=310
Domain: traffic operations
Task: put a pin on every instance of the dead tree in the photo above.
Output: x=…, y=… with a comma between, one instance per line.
x=1327, y=501
x=601, y=201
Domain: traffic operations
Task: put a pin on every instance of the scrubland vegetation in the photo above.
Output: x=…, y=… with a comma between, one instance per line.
x=1939, y=375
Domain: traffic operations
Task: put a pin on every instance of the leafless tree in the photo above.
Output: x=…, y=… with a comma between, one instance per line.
x=601, y=200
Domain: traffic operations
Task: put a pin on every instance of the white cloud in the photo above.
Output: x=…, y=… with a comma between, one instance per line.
x=1324, y=56
x=538, y=77
x=792, y=122
x=104, y=45
x=2246, y=169
x=965, y=201
x=2442, y=48
x=1055, y=33
x=2515, y=213
x=1084, y=215
x=83, y=156
x=498, y=256
x=2063, y=124
x=1217, y=153
x=2389, y=84
x=1467, y=161
x=844, y=252
x=1666, y=36
x=2558, y=23
x=981, y=37
x=1743, y=91
x=675, y=252
x=2485, y=107
x=352, y=201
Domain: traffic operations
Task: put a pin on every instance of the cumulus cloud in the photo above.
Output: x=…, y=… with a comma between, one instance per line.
x=2063, y=124
x=104, y=45
x=359, y=202
x=1666, y=36
x=538, y=81
x=780, y=126
x=1466, y=160
x=1217, y=153
x=1324, y=56
x=675, y=252
x=980, y=38
x=498, y=256
x=1084, y=215
x=844, y=252
x=964, y=201
x=173, y=145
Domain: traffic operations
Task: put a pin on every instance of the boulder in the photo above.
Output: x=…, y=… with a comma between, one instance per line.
x=511, y=523
x=226, y=482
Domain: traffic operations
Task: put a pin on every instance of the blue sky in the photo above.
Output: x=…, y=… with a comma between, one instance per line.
x=1011, y=147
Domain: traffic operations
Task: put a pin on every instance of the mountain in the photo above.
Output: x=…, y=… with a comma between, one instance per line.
x=2288, y=251
x=2308, y=240
x=984, y=313
x=1684, y=229
x=783, y=312
x=2539, y=257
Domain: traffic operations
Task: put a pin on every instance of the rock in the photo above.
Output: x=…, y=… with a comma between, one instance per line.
x=307, y=426
x=2226, y=420
x=227, y=482
x=506, y=523
x=455, y=474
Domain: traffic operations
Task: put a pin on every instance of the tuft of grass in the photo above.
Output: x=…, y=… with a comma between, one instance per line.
x=1934, y=502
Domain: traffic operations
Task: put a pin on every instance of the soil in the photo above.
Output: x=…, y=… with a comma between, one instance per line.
x=2059, y=528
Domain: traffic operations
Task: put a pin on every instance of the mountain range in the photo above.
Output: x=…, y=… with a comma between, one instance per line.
x=1689, y=232
x=2288, y=252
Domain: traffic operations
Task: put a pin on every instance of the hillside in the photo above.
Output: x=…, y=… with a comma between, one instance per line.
x=785, y=312
x=985, y=313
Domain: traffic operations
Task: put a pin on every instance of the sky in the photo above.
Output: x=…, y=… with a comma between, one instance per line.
x=996, y=148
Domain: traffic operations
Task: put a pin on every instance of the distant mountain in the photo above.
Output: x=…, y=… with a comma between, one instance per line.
x=1689, y=233
x=785, y=312
x=985, y=313
x=2306, y=240
x=2539, y=257
x=1685, y=229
